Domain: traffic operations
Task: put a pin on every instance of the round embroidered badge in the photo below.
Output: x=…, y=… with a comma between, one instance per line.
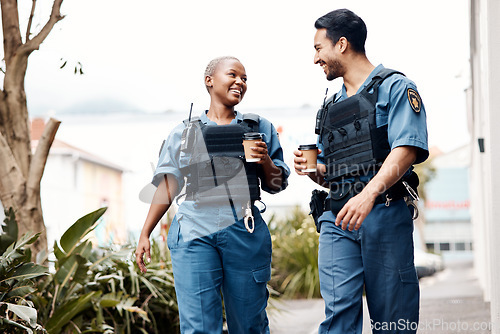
x=414, y=99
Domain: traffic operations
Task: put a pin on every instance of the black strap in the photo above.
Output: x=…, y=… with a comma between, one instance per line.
x=252, y=121
x=375, y=83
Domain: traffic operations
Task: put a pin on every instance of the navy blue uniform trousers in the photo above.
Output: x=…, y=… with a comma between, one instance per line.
x=378, y=258
x=232, y=264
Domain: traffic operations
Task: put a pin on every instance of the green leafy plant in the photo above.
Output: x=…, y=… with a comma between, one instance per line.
x=153, y=292
x=100, y=290
x=89, y=290
x=295, y=256
x=16, y=278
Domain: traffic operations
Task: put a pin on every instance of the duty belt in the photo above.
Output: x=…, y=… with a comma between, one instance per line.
x=398, y=191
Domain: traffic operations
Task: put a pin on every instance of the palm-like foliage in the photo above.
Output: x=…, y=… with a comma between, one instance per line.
x=88, y=291
x=295, y=256
x=16, y=278
x=102, y=290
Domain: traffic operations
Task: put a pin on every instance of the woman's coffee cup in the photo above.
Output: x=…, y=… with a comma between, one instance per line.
x=310, y=153
x=249, y=140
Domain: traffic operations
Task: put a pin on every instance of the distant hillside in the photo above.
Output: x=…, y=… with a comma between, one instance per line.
x=98, y=106
x=101, y=106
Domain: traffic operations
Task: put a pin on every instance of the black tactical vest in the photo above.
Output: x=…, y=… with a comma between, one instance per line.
x=352, y=143
x=221, y=172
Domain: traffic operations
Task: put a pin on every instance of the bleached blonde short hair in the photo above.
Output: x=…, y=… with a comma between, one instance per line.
x=212, y=65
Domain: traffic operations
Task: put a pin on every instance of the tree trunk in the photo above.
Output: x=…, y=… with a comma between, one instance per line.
x=23, y=193
x=20, y=170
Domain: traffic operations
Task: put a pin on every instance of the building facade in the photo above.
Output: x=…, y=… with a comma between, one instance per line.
x=484, y=118
x=448, y=229
x=75, y=183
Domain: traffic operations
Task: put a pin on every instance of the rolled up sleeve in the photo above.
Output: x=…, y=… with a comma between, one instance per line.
x=169, y=159
x=275, y=153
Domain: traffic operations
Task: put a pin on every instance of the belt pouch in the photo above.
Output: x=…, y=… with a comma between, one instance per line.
x=340, y=193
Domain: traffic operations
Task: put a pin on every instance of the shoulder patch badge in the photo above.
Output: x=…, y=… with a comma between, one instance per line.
x=414, y=99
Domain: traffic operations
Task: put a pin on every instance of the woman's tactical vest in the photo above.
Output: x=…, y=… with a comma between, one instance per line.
x=217, y=171
x=353, y=145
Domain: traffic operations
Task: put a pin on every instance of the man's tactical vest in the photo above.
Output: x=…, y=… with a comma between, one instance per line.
x=353, y=145
x=222, y=174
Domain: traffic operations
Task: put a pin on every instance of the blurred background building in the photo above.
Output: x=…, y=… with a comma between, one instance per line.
x=76, y=182
x=447, y=228
x=483, y=101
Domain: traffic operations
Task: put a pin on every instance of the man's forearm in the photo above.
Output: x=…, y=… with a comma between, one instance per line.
x=319, y=176
x=395, y=165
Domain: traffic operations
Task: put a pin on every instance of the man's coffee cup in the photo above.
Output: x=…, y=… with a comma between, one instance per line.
x=310, y=153
x=249, y=140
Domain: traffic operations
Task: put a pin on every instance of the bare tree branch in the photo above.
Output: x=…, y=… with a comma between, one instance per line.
x=10, y=27
x=42, y=152
x=30, y=21
x=34, y=44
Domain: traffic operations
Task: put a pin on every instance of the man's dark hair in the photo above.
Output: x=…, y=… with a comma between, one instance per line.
x=344, y=23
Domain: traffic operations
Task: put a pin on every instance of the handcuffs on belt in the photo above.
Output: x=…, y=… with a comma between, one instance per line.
x=248, y=220
x=410, y=200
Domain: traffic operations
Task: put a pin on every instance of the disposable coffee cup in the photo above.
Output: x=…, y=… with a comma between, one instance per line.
x=310, y=152
x=249, y=140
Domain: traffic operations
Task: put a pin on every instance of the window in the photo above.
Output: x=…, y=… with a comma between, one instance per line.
x=444, y=246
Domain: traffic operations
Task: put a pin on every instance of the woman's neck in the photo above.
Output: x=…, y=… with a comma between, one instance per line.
x=220, y=114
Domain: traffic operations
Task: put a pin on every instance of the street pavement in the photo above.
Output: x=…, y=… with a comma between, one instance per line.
x=450, y=302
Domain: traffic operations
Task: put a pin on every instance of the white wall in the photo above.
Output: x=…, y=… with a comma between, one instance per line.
x=62, y=203
x=484, y=119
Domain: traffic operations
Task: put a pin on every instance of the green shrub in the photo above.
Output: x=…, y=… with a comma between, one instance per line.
x=101, y=290
x=16, y=278
x=295, y=256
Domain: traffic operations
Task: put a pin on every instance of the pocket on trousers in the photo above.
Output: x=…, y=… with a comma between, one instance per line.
x=408, y=275
x=408, y=307
x=262, y=275
x=173, y=233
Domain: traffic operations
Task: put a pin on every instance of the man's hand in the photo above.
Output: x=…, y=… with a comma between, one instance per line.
x=143, y=247
x=357, y=208
x=300, y=163
x=355, y=211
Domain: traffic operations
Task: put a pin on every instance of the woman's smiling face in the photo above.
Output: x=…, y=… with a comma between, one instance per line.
x=229, y=82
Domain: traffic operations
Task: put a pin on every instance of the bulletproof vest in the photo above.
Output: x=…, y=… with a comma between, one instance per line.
x=353, y=144
x=221, y=173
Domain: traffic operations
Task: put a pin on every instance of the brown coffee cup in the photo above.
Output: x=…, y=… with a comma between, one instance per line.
x=249, y=140
x=310, y=153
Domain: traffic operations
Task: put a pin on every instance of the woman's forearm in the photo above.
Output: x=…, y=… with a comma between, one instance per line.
x=162, y=199
x=273, y=175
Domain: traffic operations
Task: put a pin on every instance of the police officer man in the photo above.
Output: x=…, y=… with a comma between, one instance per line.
x=369, y=136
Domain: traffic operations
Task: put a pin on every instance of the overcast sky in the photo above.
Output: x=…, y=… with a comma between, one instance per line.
x=152, y=54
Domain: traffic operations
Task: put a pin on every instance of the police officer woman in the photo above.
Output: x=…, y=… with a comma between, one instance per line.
x=218, y=240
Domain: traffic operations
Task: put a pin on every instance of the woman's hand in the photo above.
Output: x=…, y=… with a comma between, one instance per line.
x=261, y=152
x=143, y=247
